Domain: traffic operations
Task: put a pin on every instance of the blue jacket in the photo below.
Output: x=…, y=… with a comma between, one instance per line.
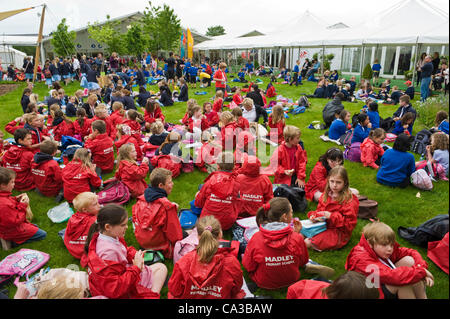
x=360, y=134
x=403, y=110
x=398, y=128
x=319, y=92
x=410, y=92
x=337, y=129
x=296, y=69
x=374, y=118
x=395, y=167
x=443, y=127
x=193, y=71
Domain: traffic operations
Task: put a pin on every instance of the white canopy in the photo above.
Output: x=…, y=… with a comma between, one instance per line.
x=9, y=55
x=407, y=22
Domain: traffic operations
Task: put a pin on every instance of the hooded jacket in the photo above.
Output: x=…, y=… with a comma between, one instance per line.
x=206, y=154
x=156, y=221
x=77, y=179
x=307, y=289
x=219, y=279
x=115, y=280
x=331, y=108
x=47, y=175
x=12, y=126
x=228, y=136
x=254, y=189
x=102, y=151
x=284, y=163
x=116, y=118
x=370, y=151
x=36, y=134
x=61, y=128
x=110, y=127
x=76, y=234
x=317, y=181
x=152, y=117
x=202, y=124
x=340, y=225
x=276, y=131
x=13, y=223
x=125, y=139
x=212, y=118
x=135, y=130
x=170, y=162
x=273, y=256
x=82, y=130
x=362, y=256
x=19, y=159
x=218, y=197
x=133, y=176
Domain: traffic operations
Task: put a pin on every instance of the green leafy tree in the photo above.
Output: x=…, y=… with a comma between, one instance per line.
x=135, y=40
x=367, y=72
x=62, y=40
x=161, y=27
x=214, y=31
x=109, y=35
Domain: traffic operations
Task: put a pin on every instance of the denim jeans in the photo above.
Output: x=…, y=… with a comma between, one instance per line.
x=39, y=235
x=425, y=88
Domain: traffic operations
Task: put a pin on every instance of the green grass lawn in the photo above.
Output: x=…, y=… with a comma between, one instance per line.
x=397, y=207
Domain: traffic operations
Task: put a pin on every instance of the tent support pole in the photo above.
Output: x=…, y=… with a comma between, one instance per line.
x=38, y=45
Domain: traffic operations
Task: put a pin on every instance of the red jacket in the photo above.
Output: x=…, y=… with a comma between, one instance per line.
x=47, y=175
x=203, y=124
x=438, y=253
x=217, y=105
x=237, y=98
x=370, y=151
x=340, y=225
x=228, y=136
x=207, y=154
x=157, y=225
x=307, y=289
x=13, y=223
x=363, y=259
x=317, y=181
x=83, y=130
x=19, y=158
x=152, y=117
x=276, y=135
x=116, y=118
x=12, y=126
x=273, y=257
x=284, y=163
x=111, y=130
x=254, y=189
x=242, y=123
x=133, y=176
x=63, y=128
x=76, y=234
x=102, y=151
x=170, y=162
x=212, y=118
x=219, y=279
x=125, y=139
x=77, y=179
x=218, y=197
x=115, y=280
x=135, y=130
x=185, y=119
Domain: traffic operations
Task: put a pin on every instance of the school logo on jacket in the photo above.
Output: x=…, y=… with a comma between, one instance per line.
x=210, y=290
x=108, y=150
x=252, y=198
x=38, y=172
x=279, y=260
x=227, y=200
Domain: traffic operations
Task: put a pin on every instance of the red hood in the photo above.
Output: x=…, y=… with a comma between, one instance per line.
x=221, y=183
x=367, y=142
x=251, y=166
x=83, y=222
x=14, y=154
x=277, y=238
x=204, y=275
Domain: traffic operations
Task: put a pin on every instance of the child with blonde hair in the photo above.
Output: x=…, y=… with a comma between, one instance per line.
x=159, y=135
x=218, y=101
x=371, y=150
x=241, y=122
x=402, y=272
x=228, y=128
x=129, y=172
x=338, y=206
x=206, y=156
x=197, y=273
x=437, y=151
x=189, y=105
x=86, y=209
x=118, y=114
x=277, y=123
x=133, y=119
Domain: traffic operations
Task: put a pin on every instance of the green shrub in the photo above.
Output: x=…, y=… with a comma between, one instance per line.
x=426, y=111
x=367, y=72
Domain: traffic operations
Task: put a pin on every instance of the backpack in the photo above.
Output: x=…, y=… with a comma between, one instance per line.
x=346, y=138
x=353, y=152
x=421, y=140
x=433, y=229
x=298, y=110
x=303, y=101
x=47, y=73
x=295, y=195
x=69, y=152
x=367, y=208
x=187, y=218
x=387, y=124
x=421, y=180
x=243, y=230
x=114, y=191
x=24, y=262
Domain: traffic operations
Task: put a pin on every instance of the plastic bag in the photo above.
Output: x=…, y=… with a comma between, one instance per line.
x=60, y=213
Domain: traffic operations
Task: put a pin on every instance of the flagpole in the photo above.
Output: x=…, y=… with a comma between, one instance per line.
x=38, y=44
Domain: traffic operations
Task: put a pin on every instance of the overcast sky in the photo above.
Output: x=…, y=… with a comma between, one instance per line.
x=236, y=16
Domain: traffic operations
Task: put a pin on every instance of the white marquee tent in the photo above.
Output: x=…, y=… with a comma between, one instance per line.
x=9, y=55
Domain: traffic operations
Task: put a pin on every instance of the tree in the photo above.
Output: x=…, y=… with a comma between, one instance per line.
x=62, y=40
x=214, y=31
x=367, y=72
x=108, y=34
x=135, y=40
x=161, y=28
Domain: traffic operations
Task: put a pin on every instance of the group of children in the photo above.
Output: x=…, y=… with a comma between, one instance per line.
x=235, y=188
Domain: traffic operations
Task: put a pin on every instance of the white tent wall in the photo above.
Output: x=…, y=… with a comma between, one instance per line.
x=9, y=55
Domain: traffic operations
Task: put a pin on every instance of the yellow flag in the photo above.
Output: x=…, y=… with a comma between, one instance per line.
x=7, y=14
x=190, y=44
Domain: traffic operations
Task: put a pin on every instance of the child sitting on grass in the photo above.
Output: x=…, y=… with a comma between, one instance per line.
x=277, y=124
x=211, y=116
x=155, y=217
x=86, y=209
x=15, y=217
x=401, y=272
x=218, y=101
x=404, y=125
x=437, y=151
x=371, y=150
x=159, y=135
x=101, y=147
x=82, y=125
x=441, y=122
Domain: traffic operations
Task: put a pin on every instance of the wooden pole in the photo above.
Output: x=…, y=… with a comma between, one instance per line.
x=38, y=45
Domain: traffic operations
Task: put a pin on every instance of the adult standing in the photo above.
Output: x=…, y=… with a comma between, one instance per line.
x=427, y=70
x=114, y=62
x=419, y=66
x=28, y=67
x=179, y=68
x=99, y=63
x=171, y=62
x=76, y=67
x=436, y=60
x=221, y=78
